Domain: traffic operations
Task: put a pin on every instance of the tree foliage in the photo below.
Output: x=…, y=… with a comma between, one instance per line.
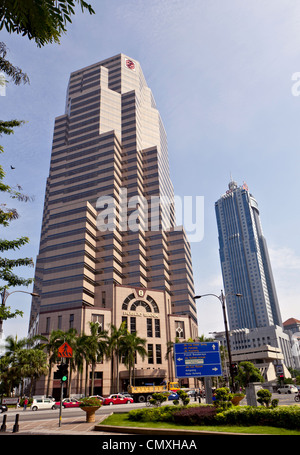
x=43, y=21
x=10, y=70
x=247, y=373
x=7, y=214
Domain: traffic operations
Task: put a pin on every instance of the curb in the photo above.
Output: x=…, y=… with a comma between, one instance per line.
x=164, y=431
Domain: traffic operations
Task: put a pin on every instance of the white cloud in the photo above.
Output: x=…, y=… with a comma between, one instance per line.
x=284, y=258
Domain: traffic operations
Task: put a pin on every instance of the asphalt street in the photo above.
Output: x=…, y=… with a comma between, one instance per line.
x=45, y=414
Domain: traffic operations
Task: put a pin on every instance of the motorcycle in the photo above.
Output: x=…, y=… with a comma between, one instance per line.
x=297, y=397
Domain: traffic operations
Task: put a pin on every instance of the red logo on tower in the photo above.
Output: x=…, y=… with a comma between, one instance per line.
x=130, y=64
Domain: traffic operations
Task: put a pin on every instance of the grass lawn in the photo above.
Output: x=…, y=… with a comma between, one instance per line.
x=122, y=420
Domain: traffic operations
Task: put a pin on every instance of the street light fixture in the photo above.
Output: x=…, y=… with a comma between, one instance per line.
x=4, y=297
x=222, y=299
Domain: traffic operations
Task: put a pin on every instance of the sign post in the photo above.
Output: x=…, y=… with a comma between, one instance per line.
x=194, y=360
x=197, y=360
x=64, y=351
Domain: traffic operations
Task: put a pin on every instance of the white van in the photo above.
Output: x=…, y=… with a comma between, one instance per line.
x=287, y=388
x=42, y=403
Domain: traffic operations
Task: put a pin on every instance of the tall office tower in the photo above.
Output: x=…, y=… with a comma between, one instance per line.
x=110, y=251
x=245, y=262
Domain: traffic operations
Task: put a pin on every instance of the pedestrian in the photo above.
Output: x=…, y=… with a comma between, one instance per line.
x=25, y=404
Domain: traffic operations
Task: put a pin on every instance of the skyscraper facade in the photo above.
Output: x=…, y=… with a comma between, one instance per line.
x=245, y=261
x=110, y=251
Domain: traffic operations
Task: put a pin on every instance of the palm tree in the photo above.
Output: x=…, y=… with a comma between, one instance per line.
x=170, y=348
x=97, y=343
x=91, y=349
x=131, y=345
x=51, y=345
x=7, y=375
x=33, y=364
x=81, y=356
x=71, y=338
x=113, y=352
x=13, y=348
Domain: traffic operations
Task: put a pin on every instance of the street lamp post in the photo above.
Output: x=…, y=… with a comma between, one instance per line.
x=4, y=297
x=222, y=299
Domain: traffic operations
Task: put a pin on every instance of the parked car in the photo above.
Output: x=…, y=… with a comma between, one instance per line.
x=117, y=398
x=287, y=388
x=3, y=408
x=42, y=403
x=70, y=403
x=126, y=394
x=173, y=396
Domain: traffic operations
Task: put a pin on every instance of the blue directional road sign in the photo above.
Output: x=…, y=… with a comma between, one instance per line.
x=197, y=359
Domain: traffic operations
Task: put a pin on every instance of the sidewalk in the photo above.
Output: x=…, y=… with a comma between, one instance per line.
x=69, y=426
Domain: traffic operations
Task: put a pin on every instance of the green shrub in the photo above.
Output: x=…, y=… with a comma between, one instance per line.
x=283, y=417
x=223, y=398
x=163, y=414
x=274, y=403
x=158, y=398
x=264, y=397
x=183, y=396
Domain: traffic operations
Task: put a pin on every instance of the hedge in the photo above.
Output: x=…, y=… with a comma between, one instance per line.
x=282, y=417
x=155, y=414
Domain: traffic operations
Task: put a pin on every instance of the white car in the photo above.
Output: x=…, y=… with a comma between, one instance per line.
x=42, y=403
x=287, y=388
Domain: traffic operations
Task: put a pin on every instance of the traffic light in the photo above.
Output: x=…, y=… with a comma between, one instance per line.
x=63, y=372
x=234, y=368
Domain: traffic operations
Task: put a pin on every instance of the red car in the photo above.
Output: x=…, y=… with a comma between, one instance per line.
x=117, y=398
x=68, y=403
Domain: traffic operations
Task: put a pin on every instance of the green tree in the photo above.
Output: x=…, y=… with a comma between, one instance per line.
x=97, y=348
x=43, y=21
x=81, y=358
x=51, y=344
x=115, y=341
x=247, y=373
x=223, y=398
x=264, y=397
x=6, y=375
x=132, y=345
x=71, y=338
x=34, y=365
x=7, y=266
x=15, y=73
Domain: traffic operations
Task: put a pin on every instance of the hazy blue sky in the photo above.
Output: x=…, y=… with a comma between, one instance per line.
x=221, y=74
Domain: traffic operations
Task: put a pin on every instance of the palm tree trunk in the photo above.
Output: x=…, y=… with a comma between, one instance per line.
x=49, y=379
x=70, y=382
x=86, y=379
x=93, y=378
x=117, y=378
x=129, y=372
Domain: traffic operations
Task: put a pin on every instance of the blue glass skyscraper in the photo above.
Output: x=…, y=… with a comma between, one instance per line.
x=245, y=261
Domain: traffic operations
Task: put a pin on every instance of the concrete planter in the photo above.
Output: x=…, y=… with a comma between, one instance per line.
x=90, y=413
x=236, y=400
